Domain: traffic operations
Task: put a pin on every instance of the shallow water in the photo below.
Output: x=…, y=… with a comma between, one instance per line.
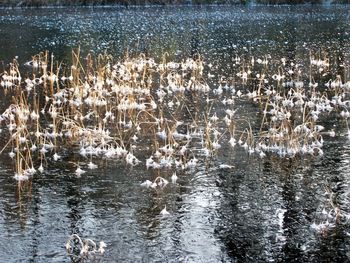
x=261, y=210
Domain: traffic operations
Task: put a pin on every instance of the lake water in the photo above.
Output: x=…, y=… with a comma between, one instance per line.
x=261, y=210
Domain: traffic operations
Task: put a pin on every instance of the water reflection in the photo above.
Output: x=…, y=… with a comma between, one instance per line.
x=267, y=213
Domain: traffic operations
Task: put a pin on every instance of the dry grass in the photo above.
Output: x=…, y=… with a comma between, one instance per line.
x=163, y=114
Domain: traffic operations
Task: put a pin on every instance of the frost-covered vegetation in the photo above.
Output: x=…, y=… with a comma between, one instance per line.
x=164, y=114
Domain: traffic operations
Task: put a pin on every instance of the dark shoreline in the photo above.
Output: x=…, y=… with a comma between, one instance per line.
x=57, y=3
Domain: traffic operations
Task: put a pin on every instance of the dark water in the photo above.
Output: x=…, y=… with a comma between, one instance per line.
x=262, y=210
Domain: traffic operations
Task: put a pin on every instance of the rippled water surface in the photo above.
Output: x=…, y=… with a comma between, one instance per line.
x=261, y=210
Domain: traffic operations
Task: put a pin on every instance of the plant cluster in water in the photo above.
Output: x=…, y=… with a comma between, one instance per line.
x=103, y=108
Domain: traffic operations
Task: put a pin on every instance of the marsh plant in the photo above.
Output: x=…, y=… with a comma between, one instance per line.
x=164, y=114
x=100, y=108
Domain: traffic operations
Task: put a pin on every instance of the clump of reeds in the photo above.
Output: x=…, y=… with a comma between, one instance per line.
x=293, y=107
x=164, y=114
x=100, y=106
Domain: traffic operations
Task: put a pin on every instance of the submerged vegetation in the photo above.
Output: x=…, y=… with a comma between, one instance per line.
x=82, y=249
